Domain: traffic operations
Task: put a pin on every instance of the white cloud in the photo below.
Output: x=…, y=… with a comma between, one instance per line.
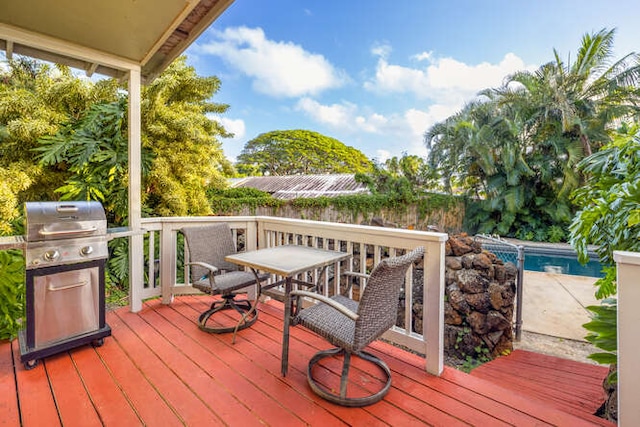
x=336, y=115
x=235, y=126
x=445, y=80
x=383, y=50
x=403, y=131
x=232, y=146
x=423, y=56
x=344, y=117
x=280, y=69
x=444, y=84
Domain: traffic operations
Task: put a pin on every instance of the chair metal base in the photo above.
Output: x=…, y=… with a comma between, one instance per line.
x=244, y=307
x=342, y=399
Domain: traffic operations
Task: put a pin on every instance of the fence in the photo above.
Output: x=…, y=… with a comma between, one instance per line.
x=508, y=252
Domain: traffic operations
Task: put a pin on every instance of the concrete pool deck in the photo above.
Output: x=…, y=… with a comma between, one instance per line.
x=555, y=304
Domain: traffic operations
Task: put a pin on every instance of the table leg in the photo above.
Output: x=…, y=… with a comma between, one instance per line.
x=285, y=331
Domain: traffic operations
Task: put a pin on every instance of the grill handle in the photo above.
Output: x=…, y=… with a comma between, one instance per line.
x=68, y=232
x=64, y=288
x=67, y=209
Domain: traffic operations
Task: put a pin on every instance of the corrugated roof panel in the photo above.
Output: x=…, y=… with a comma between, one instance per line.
x=304, y=186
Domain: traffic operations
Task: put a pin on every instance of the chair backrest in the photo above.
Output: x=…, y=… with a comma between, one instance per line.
x=378, y=307
x=210, y=244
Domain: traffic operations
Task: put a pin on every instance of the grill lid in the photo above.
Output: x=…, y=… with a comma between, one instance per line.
x=64, y=220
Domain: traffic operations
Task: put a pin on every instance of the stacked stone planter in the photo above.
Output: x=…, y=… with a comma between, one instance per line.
x=479, y=300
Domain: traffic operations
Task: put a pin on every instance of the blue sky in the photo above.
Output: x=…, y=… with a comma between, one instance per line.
x=376, y=74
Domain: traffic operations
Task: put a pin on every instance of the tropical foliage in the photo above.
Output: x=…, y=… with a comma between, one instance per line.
x=515, y=152
x=65, y=137
x=404, y=177
x=37, y=100
x=92, y=152
x=180, y=130
x=299, y=152
x=609, y=218
x=11, y=293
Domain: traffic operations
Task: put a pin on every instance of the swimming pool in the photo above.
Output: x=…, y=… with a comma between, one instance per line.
x=551, y=260
x=563, y=263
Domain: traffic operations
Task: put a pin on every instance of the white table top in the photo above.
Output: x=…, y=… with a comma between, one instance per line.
x=287, y=260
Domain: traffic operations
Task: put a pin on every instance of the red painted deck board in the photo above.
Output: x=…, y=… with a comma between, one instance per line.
x=8, y=393
x=74, y=404
x=150, y=405
x=37, y=405
x=571, y=386
x=158, y=368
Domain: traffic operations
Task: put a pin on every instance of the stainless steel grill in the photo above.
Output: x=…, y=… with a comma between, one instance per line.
x=65, y=254
x=60, y=233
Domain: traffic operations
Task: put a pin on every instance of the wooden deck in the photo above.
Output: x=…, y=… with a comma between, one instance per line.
x=158, y=368
x=568, y=385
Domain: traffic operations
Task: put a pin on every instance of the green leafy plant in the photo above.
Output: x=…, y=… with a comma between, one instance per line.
x=11, y=293
x=556, y=234
x=460, y=336
x=610, y=219
x=471, y=362
x=602, y=331
x=480, y=352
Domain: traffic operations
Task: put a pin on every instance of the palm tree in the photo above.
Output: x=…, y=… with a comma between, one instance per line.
x=518, y=149
x=582, y=100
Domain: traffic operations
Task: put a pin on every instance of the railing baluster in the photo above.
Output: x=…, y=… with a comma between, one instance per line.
x=151, y=272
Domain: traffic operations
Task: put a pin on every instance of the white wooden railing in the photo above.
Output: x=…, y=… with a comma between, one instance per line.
x=262, y=232
x=628, y=264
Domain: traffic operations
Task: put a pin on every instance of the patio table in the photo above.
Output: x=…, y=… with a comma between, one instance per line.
x=288, y=261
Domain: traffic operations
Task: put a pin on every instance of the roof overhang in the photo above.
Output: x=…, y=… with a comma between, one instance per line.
x=106, y=37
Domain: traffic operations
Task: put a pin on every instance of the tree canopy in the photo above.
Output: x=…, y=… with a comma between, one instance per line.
x=293, y=152
x=184, y=141
x=38, y=100
x=65, y=137
x=403, y=177
x=515, y=151
x=62, y=136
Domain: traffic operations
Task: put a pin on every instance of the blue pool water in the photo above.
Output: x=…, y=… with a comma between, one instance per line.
x=560, y=263
x=551, y=260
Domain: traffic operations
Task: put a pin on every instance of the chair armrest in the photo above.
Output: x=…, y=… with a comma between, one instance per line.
x=356, y=274
x=211, y=268
x=353, y=274
x=341, y=308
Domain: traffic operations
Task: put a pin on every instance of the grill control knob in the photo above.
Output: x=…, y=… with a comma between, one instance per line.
x=51, y=255
x=86, y=250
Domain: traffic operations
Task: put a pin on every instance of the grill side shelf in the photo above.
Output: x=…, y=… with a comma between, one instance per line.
x=118, y=232
x=12, y=242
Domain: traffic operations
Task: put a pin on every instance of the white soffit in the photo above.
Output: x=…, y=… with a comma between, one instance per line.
x=107, y=37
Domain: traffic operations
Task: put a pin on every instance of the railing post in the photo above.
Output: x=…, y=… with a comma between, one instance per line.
x=251, y=236
x=519, y=292
x=628, y=264
x=433, y=288
x=168, y=248
x=136, y=249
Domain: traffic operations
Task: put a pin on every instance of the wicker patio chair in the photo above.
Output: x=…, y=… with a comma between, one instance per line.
x=207, y=247
x=351, y=325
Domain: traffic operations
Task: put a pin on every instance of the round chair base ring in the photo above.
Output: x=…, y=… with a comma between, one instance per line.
x=249, y=314
x=341, y=398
